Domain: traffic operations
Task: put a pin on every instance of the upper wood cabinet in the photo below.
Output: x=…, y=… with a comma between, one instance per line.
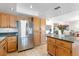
x=58, y=47
x=7, y=20
x=4, y=20
x=13, y=20
x=36, y=23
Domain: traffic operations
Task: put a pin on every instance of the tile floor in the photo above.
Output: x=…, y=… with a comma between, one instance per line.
x=37, y=51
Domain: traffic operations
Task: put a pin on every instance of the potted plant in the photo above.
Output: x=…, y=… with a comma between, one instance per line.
x=62, y=28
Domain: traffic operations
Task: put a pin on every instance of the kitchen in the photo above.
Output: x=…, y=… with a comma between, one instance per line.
x=28, y=29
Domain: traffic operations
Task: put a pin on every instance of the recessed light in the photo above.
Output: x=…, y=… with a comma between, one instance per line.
x=30, y=6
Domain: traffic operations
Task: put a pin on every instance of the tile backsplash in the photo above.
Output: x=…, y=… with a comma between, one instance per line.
x=6, y=30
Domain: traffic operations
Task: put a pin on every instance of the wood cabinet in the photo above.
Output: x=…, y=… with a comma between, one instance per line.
x=2, y=51
x=61, y=51
x=3, y=48
x=51, y=46
x=37, y=31
x=63, y=48
x=4, y=18
x=12, y=43
x=13, y=20
x=58, y=47
x=7, y=20
x=43, y=30
x=63, y=44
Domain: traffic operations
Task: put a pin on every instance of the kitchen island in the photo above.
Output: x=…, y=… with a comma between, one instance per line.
x=62, y=45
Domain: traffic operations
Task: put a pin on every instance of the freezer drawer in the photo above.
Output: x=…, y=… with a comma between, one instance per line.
x=25, y=43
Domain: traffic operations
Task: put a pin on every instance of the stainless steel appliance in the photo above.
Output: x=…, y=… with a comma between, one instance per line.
x=25, y=35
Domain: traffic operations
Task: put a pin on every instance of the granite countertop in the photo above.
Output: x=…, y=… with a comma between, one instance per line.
x=68, y=38
x=4, y=35
x=6, y=32
x=2, y=38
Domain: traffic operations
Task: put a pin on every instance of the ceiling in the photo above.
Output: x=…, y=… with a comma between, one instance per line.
x=6, y=7
x=42, y=9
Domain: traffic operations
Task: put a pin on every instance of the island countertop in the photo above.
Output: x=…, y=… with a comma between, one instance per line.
x=69, y=38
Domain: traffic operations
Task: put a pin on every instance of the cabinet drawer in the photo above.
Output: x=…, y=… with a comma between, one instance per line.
x=51, y=39
x=64, y=44
x=13, y=38
x=60, y=51
x=12, y=43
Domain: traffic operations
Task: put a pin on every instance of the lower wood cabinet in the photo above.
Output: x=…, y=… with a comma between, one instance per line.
x=3, y=48
x=60, y=51
x=58, y=47
x=51, y=46
x=12, y=43
x=51, y=50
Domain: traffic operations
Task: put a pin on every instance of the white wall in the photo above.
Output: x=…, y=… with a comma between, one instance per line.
x=74, y=25
x=49, y=22
x=71, y=18
x=19, y=9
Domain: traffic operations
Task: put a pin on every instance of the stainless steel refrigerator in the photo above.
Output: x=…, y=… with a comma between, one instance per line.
x=25, y=34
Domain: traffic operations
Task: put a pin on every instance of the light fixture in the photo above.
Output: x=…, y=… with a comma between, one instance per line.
x=30, y=6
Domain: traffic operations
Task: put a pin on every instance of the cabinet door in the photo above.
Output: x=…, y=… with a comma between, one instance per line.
x=51, y=46
x=12, y=44
x=3, y=48
x=37, y=31
x=64, y=44
x=43, y=31
x=51, y=49
x=60, y=51
x=4, y=20
x=1, y=51
x=12, y=21
x=37, y=40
